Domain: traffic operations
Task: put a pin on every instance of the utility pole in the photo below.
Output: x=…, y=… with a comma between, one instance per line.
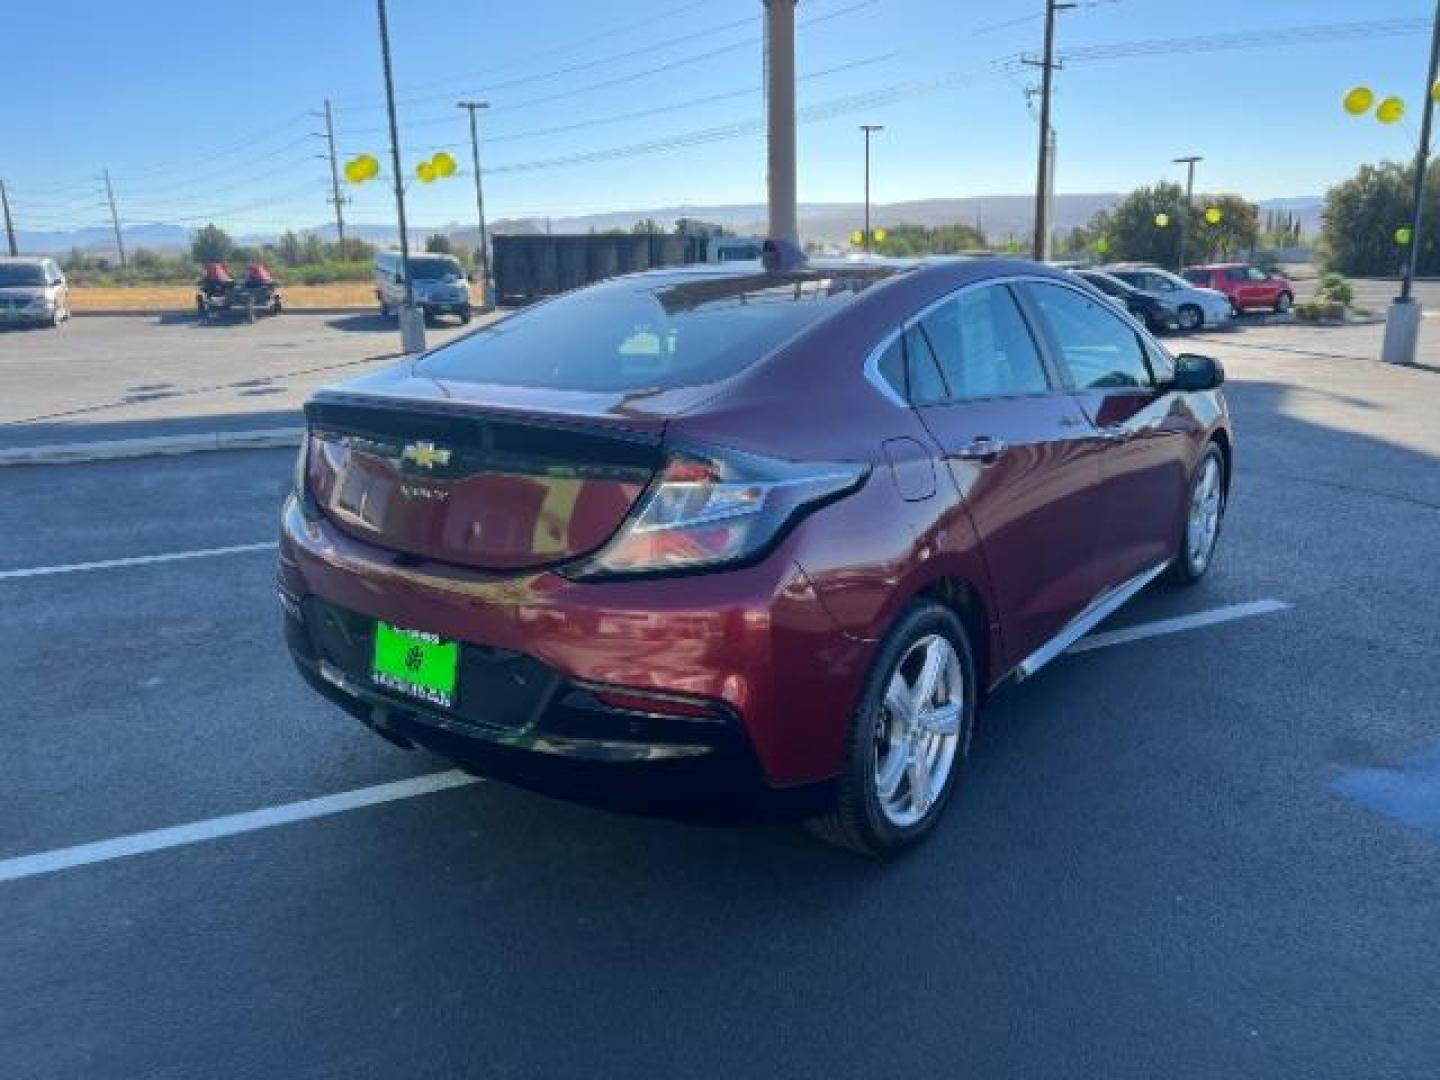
x=868, y=129
x=1185, y=217
x=780, y=118
x=470, y=107
x=9, y=224
x=114, y=218
x=335, y=195
x=1047, y=65
x=412, y=324
x=1402, y=324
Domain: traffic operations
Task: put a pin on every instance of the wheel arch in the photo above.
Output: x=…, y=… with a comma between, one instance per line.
x=968, y=602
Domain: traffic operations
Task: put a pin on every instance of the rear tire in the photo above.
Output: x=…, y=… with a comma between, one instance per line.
x=901, y=763
x=1283, y=303
x=1204, y=514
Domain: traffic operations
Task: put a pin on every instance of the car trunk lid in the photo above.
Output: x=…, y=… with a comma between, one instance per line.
x=493, y=488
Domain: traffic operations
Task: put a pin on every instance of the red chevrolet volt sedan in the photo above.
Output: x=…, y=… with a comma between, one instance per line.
x=736, y=541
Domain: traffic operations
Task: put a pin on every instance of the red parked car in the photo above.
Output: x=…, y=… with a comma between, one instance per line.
x=1248, y=287
x=738, y=542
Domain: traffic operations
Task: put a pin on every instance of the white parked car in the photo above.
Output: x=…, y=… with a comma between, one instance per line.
x=1195, y=308
x=439, y=282
x=33, y=291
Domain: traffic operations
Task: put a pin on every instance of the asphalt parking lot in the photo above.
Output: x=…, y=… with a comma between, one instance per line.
x=1206, y=845
x=124, y=376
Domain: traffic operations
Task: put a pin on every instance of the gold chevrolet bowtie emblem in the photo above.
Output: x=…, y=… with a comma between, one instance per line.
x=425, y=454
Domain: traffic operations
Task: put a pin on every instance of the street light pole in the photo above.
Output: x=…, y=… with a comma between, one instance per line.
x=868, y=129
x=412, y=327
x=470, y=107
x=1189, y=201
x=9, y=223
x=1402, y=325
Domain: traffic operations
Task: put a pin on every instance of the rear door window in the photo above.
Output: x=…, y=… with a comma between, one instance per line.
x=1101, y=350
x=984, y=347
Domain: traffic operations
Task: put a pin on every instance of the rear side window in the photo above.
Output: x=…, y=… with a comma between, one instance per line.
x=1197, y=277
x=984, y=347
x=1101, y=350
x=634, y=334
x=926, y=385
x=1236, y=273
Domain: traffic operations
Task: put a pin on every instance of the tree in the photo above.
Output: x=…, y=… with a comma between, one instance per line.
x=906, y=240
x=288, y=250
x=647, y=225
x=1362, y=214
x=1131, y=231
x=439, y=244
x=212, y=244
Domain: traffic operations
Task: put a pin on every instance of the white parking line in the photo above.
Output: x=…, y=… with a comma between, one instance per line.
x=47, y=862
x=1177, y=624
x=138, y=560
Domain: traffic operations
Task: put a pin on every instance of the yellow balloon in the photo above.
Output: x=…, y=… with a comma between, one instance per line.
x=353, y=172
x=1403, y=235
x=443, y=163
x=426, y=172
x=879, y=235
x=1102, y=245
x=1358, y=101
x=1435, y=92
x=372, y=167
x=1213, y=215
x=1162, y=221
x=857, y=238
x=1390, y=110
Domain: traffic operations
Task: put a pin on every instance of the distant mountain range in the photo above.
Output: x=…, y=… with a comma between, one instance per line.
x=998, y=216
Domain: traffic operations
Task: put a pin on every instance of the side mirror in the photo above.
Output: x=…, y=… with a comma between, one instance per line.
x=1193, y=372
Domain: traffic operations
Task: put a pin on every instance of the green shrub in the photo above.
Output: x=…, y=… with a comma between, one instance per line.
x=1320, y=310
x=1336, y=289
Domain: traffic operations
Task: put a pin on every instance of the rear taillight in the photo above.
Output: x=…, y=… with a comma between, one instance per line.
x=302, y=457
x=709, y=508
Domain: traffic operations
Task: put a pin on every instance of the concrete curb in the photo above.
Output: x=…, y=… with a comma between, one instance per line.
x=155, y=313
x=154, y=446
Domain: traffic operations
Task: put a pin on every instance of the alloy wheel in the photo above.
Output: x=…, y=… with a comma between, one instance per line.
x=1206, y=505
x=917, y=732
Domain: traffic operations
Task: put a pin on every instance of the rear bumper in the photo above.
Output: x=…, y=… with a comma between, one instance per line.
x=722, y=696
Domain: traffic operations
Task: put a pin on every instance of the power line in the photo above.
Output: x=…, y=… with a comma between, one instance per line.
x=559, y=50
x=620, y=80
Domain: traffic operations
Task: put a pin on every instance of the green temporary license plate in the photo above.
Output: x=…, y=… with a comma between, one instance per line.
x=416, y=663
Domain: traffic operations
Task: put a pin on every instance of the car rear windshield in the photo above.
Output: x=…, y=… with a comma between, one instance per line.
x=634, y=335
x=12, y=274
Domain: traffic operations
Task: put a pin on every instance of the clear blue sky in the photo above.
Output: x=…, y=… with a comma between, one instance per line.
x=198, y=109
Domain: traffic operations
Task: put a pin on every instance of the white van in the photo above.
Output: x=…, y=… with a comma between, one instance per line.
x=33, y=291
x=440, y=283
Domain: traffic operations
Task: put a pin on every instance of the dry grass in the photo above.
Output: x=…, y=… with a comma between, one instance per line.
x=182, y=297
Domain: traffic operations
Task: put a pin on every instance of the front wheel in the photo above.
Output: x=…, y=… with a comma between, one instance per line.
x=909, y=736
x=1205, y=511
x=1191, y=318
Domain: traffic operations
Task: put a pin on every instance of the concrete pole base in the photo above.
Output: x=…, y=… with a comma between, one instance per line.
x=412, y=330
x=1402, y=332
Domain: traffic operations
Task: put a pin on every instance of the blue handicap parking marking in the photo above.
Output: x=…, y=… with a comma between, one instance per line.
x=1409, y=794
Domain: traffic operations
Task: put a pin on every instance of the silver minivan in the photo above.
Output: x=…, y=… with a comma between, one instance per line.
x=33, y=291
x=440, y=283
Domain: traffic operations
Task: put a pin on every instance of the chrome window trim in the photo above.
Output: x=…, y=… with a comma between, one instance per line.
x=890, y=394
x=872, y=370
